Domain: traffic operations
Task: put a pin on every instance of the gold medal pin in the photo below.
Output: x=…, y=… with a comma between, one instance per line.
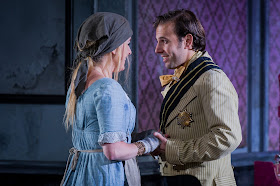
x=184, y=119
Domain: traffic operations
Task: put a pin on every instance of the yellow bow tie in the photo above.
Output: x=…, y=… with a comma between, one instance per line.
x=165, y=79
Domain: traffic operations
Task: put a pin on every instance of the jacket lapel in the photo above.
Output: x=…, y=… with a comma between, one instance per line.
x=177, y=91
x=188, y=97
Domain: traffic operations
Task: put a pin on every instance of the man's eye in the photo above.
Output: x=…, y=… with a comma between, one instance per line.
x=165, y=41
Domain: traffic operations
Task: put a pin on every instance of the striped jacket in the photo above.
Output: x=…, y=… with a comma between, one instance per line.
x=203, y=148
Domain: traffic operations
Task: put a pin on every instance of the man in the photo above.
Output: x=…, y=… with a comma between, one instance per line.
x=199, y=113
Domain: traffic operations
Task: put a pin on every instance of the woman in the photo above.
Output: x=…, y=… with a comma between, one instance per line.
x=101, y=115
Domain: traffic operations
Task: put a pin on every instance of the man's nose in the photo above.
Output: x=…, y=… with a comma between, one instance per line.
x=158, y=49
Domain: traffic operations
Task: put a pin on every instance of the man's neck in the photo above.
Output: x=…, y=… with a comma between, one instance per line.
x=190, y=55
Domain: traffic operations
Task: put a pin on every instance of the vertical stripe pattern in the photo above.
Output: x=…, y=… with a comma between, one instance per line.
x=178, y=90
x=204, y=148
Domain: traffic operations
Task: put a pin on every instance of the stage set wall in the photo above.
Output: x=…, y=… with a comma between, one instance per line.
x=36, y=53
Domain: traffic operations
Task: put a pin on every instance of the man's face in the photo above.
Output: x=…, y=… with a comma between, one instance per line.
x=168, y=46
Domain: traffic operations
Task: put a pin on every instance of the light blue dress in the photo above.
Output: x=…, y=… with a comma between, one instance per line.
x=104, y=114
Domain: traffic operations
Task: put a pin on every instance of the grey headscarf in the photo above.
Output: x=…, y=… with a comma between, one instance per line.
x=99, y=34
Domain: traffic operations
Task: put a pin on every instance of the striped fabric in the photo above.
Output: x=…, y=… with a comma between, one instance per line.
x=177, y=91
x=204, y=148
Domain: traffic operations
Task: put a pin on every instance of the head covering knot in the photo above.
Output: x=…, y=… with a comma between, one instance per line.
x=99, y=34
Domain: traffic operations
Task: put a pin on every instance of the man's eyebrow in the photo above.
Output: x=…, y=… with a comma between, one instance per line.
x=162, y=38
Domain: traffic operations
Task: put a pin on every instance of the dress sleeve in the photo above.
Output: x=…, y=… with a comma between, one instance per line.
x=112, y=108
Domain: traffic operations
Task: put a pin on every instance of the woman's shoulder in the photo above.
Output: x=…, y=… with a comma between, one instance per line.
x=108, y=83
x=107, y=86
x=103, y=86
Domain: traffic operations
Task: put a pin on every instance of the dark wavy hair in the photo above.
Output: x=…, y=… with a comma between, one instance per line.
x=185, y=23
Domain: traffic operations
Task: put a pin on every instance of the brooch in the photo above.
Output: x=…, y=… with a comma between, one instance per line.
x=184, y=119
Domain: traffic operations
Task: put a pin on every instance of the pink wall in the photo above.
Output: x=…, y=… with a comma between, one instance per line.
x=225, y=25
x=274, y=71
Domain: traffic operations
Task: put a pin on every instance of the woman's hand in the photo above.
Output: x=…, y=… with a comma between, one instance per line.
x=162, y=146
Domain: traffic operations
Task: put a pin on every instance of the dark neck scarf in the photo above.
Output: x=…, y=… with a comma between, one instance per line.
x=99, y=34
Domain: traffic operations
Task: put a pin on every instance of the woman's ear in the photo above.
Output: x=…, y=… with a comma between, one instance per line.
x=114, y=51
x=189, y=41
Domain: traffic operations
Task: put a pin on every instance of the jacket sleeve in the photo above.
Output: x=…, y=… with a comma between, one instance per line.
x=220, y=106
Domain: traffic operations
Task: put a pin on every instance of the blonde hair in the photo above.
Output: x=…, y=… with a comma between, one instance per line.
x=119, y=52
x=69, y=116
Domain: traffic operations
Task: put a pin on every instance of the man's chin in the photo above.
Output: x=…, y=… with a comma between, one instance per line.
x=168, y=66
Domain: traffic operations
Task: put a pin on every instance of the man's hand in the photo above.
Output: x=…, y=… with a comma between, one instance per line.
x=161, y=148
